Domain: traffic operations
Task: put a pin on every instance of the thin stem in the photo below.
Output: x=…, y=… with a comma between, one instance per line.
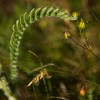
x=36, y=97
x=85, y=48
x=77, y=43
x=91, y=11
x=43, y=66
x=36, y=57
x=46, y=89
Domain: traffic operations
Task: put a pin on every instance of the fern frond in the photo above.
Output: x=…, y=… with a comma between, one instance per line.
x=20, y=26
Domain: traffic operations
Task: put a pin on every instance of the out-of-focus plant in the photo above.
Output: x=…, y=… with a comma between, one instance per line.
x=23, y=23
x=79, y=61
x=18, y=32
x=4, y=86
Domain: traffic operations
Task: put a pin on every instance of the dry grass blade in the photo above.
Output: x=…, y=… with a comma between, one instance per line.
x=43, y=74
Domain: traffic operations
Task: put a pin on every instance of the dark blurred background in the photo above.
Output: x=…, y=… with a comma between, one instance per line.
x=46, y=39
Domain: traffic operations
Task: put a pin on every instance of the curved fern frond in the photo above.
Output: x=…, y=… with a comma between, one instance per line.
x=20, y=26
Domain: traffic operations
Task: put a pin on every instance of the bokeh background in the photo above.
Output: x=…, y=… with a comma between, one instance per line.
x=77, y=67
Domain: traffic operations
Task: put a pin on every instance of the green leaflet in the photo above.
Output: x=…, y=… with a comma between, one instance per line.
x=20, y=26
